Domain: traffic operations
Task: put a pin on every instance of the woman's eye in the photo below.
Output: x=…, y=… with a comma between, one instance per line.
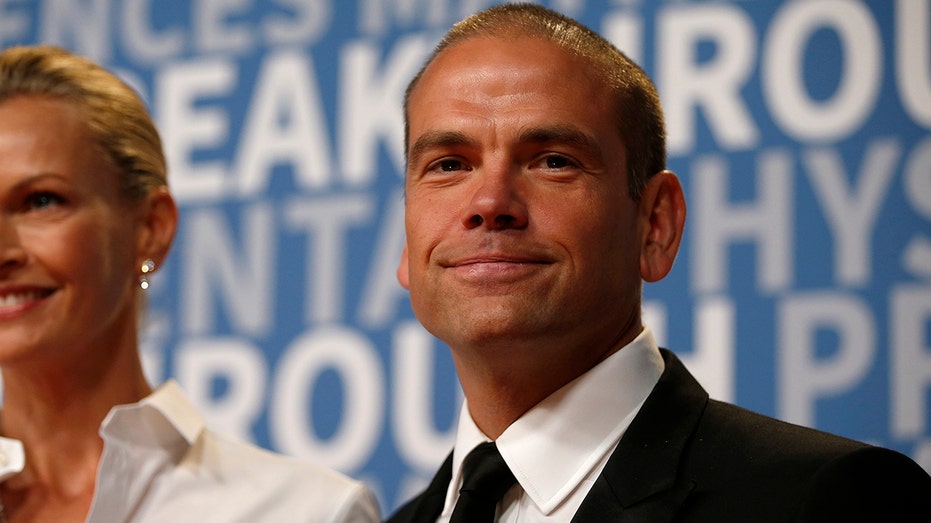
x=42, y=200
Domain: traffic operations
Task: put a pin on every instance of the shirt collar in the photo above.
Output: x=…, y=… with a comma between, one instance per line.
x=12, y=458
x=180, y=422
x=570, y=426
x=176, y=419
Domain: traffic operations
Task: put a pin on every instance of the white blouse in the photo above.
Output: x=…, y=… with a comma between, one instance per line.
x=160, y=463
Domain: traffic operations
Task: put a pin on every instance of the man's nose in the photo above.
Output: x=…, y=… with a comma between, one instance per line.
x=497, y=202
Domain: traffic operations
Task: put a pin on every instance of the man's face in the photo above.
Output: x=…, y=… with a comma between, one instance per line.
x=520, y=230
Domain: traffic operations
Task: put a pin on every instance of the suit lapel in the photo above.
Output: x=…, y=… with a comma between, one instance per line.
x=639, y=481
x=429, y=504
x=602, y=504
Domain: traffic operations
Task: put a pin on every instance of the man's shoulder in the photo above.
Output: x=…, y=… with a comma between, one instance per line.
x=731, y=425
x=733, y=449
x=756, y=467
x=737, y=432
x=743, y=462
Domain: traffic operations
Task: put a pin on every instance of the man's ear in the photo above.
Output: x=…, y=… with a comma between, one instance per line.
x=662, y=220
x=404, y=276
x=158, y=217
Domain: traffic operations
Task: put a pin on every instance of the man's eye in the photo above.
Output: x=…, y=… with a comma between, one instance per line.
x=447, y=165
x=555, y=161
x=450, y=165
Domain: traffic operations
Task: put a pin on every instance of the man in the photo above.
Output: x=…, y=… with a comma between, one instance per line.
x=537, y=201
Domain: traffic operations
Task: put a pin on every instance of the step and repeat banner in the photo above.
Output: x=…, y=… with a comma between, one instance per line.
x=800, y=130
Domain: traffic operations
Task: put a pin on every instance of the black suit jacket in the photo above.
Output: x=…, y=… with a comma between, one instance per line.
x=686, y=457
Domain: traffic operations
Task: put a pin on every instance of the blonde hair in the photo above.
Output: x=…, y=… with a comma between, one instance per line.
x=114, y=113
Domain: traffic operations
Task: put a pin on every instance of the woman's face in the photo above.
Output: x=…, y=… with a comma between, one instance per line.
x=69, y=240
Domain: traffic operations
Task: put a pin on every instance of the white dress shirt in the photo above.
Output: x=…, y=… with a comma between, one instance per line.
x=161, y=464
x=560, y=446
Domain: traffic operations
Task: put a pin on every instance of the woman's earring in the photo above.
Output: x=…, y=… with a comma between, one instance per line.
x=147, y=266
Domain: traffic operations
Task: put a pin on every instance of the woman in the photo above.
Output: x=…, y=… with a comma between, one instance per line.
x=85, y=217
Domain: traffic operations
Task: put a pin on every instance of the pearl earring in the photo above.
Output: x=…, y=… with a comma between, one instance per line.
x=147, y=266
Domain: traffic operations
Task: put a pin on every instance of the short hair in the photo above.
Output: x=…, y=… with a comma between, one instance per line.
x=639, y=113
x=116, y=116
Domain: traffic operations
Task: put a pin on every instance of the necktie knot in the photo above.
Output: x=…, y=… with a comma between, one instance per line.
x=485, y=479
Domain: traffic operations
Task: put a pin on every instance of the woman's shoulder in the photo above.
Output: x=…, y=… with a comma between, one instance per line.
x=260, y=476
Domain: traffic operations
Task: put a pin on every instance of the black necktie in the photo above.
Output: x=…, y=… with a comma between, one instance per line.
x=485, y=479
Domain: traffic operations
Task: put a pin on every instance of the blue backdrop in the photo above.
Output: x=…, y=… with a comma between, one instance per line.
x=800, y=130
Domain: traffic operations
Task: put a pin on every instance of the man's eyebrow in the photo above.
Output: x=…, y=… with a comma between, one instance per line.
x=434, y=139
x=565, y=134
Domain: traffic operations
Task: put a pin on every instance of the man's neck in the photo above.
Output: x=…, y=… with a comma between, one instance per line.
x=501, y=389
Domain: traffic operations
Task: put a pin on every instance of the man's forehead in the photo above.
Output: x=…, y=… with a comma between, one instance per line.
x=486, y=56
